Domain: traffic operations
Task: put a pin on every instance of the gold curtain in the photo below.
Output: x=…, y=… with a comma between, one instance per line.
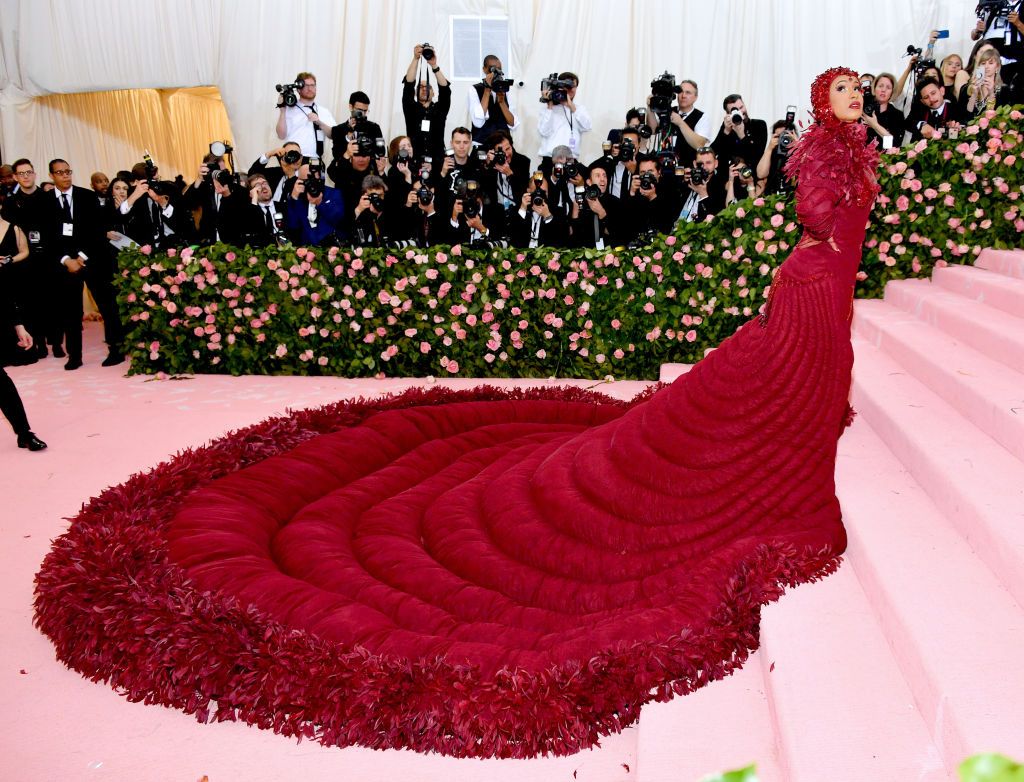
x=108, y=131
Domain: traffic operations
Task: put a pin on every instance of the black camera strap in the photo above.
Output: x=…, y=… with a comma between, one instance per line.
x=318, y=134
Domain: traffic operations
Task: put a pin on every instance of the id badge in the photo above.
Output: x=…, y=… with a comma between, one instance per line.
x=68, y=229
x=425, y=126
x=599, y=245
x=168, y=211
x=33, y=237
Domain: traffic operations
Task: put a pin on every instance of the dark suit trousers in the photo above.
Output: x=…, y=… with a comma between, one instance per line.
x=10, y=404
x=69, y=309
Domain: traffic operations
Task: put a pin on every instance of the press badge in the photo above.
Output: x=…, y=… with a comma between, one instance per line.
x=69, y=229
x=425, y=125
x=599, y=245
x=33, y=237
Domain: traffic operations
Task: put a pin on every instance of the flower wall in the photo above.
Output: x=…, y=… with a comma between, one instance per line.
x=456, y=311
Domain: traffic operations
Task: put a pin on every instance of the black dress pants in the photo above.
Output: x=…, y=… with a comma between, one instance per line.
x=10, y=404
x=70, y=308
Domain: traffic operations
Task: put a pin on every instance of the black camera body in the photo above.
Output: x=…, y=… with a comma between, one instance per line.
x=648, y=181
x=500, y=158
x=663, y=91
x=592, y=193
x=366, y=146
x=425, y=196
x=538, y=199
x=288, y=92
x=471, y=207
x=291, y=157
x=870, y=102
x=376, y=201
x=315, y=180
x=627, y=150
x=699, y=175
x=428, y=52
x=557, y=89
x=499, y=84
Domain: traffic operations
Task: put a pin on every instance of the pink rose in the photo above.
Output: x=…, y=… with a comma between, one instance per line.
x=691, y=336
x=777, y=220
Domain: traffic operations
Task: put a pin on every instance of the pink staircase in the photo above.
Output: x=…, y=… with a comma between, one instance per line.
x=909, y=658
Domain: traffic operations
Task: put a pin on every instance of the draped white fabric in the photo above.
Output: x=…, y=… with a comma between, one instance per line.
x=767, y=51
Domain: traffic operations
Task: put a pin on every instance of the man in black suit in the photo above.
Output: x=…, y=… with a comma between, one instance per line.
x=505, y=177
x=740, y=136
x=76, y=243
x=289, y=157
x=594, y=223
x=218, y=201
x=152, y=212
x=537, y=222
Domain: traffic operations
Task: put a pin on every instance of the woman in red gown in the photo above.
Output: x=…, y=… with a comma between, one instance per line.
x=519, y=576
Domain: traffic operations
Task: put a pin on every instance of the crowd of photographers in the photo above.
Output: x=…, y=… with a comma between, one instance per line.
x=669, y=161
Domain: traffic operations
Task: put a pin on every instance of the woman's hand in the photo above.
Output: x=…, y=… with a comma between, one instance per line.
x=24, y=338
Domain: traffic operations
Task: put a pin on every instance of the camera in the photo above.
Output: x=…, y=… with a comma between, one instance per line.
x=471, y=207
x=404, y=156
x=368, y=146
x=147, y=159
x=592, y=192
x=648, y=181
x=376, y=201
x=568, y=170
x=998, y=7
x=870, y=103
x=428, y=52
x=736, y=117
x=424, y=196
x=786, y=141
x=500, y=158
x=627, y=150
x=606, y=147
x=698, y=175
x=791, y=118
x=663, y=90
x=557, y=89
x=288, y=96
x=746, y=172
x=499, y=84
x=667, y=159
x=538, y=199
x=291, y=157
x=315, y=180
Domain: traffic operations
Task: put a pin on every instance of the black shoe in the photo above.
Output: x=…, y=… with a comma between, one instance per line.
x=113, y=359
x=73, y=363
x=30, y=441
x=41, y=350
x=58, y=352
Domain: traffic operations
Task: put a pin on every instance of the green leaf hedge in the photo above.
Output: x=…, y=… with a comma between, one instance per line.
x=455, y=311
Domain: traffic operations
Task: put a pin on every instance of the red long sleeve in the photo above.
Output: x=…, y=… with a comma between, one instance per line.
x=816, y=199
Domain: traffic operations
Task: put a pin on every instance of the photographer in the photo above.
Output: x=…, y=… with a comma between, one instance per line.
x=882, y=118
x=595, y=212
x=933, y=114
x=999, y=23
x=314, y=212
x=357, y=125
x=690, y=127
x=303, y=121
x=490, y=105
x=359, y=159
x=535, y=223
x=261, y=220
x=370, y=224
x=506, y=172
x=620, y=162
x=769, y=168
x=423, y=220
x=218, y=199
x=741, y=183
x=562, y=121
x=706, y=188
x=425, y=118
x=652, y=204
x=153, y=213
x=986, y=89
x=562, y=174
x=740, y=136
x=635, y=118
x=459, y=161
x=289, y=157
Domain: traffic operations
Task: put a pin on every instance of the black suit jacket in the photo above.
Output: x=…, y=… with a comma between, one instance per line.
x=552, y=233
x=750, y=148
x=87, y=234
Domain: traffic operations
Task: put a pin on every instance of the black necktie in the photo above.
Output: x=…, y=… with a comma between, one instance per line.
x=268, y=218
x=317, y=134
x=426, y=230
x=66, y=207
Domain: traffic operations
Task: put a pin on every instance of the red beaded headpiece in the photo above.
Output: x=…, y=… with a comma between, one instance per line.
x=821, y=106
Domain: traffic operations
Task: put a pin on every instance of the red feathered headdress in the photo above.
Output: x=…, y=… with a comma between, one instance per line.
x=839, y=147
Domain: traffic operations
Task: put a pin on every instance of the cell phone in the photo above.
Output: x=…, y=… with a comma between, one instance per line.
x=943, y=34
x=979, y=73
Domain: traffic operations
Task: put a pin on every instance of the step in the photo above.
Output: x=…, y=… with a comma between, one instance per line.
x=988, y=394
x=973, y=480
x=956, y=633
x=1009, y=263
x=723, y=726
x=995, y=290
x=843, y=710
x=994, y=333
x=670, y=372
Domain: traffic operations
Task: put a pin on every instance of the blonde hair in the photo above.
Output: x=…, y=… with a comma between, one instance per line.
x=990, y=54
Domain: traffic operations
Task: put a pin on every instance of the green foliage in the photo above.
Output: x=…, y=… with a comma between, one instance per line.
x=544, y=312
x=748, y=774
x=991, y=768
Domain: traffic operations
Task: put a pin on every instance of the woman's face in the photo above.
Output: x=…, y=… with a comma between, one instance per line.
x=883, y=89
x=952, y=67
x=991, y=66
x=120, y=190
x=405, y=144
x=846, y=99
x=932, y=73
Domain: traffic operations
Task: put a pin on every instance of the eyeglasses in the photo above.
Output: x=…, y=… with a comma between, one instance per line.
x=24, y=173
x=704, y=150
x=61, y=171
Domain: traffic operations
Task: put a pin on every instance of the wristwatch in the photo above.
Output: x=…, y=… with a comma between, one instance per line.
x=435, y=70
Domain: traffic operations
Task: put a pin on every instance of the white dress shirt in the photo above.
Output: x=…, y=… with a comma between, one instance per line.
x=560, y=126
x=476, y=110
x=299, y=129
